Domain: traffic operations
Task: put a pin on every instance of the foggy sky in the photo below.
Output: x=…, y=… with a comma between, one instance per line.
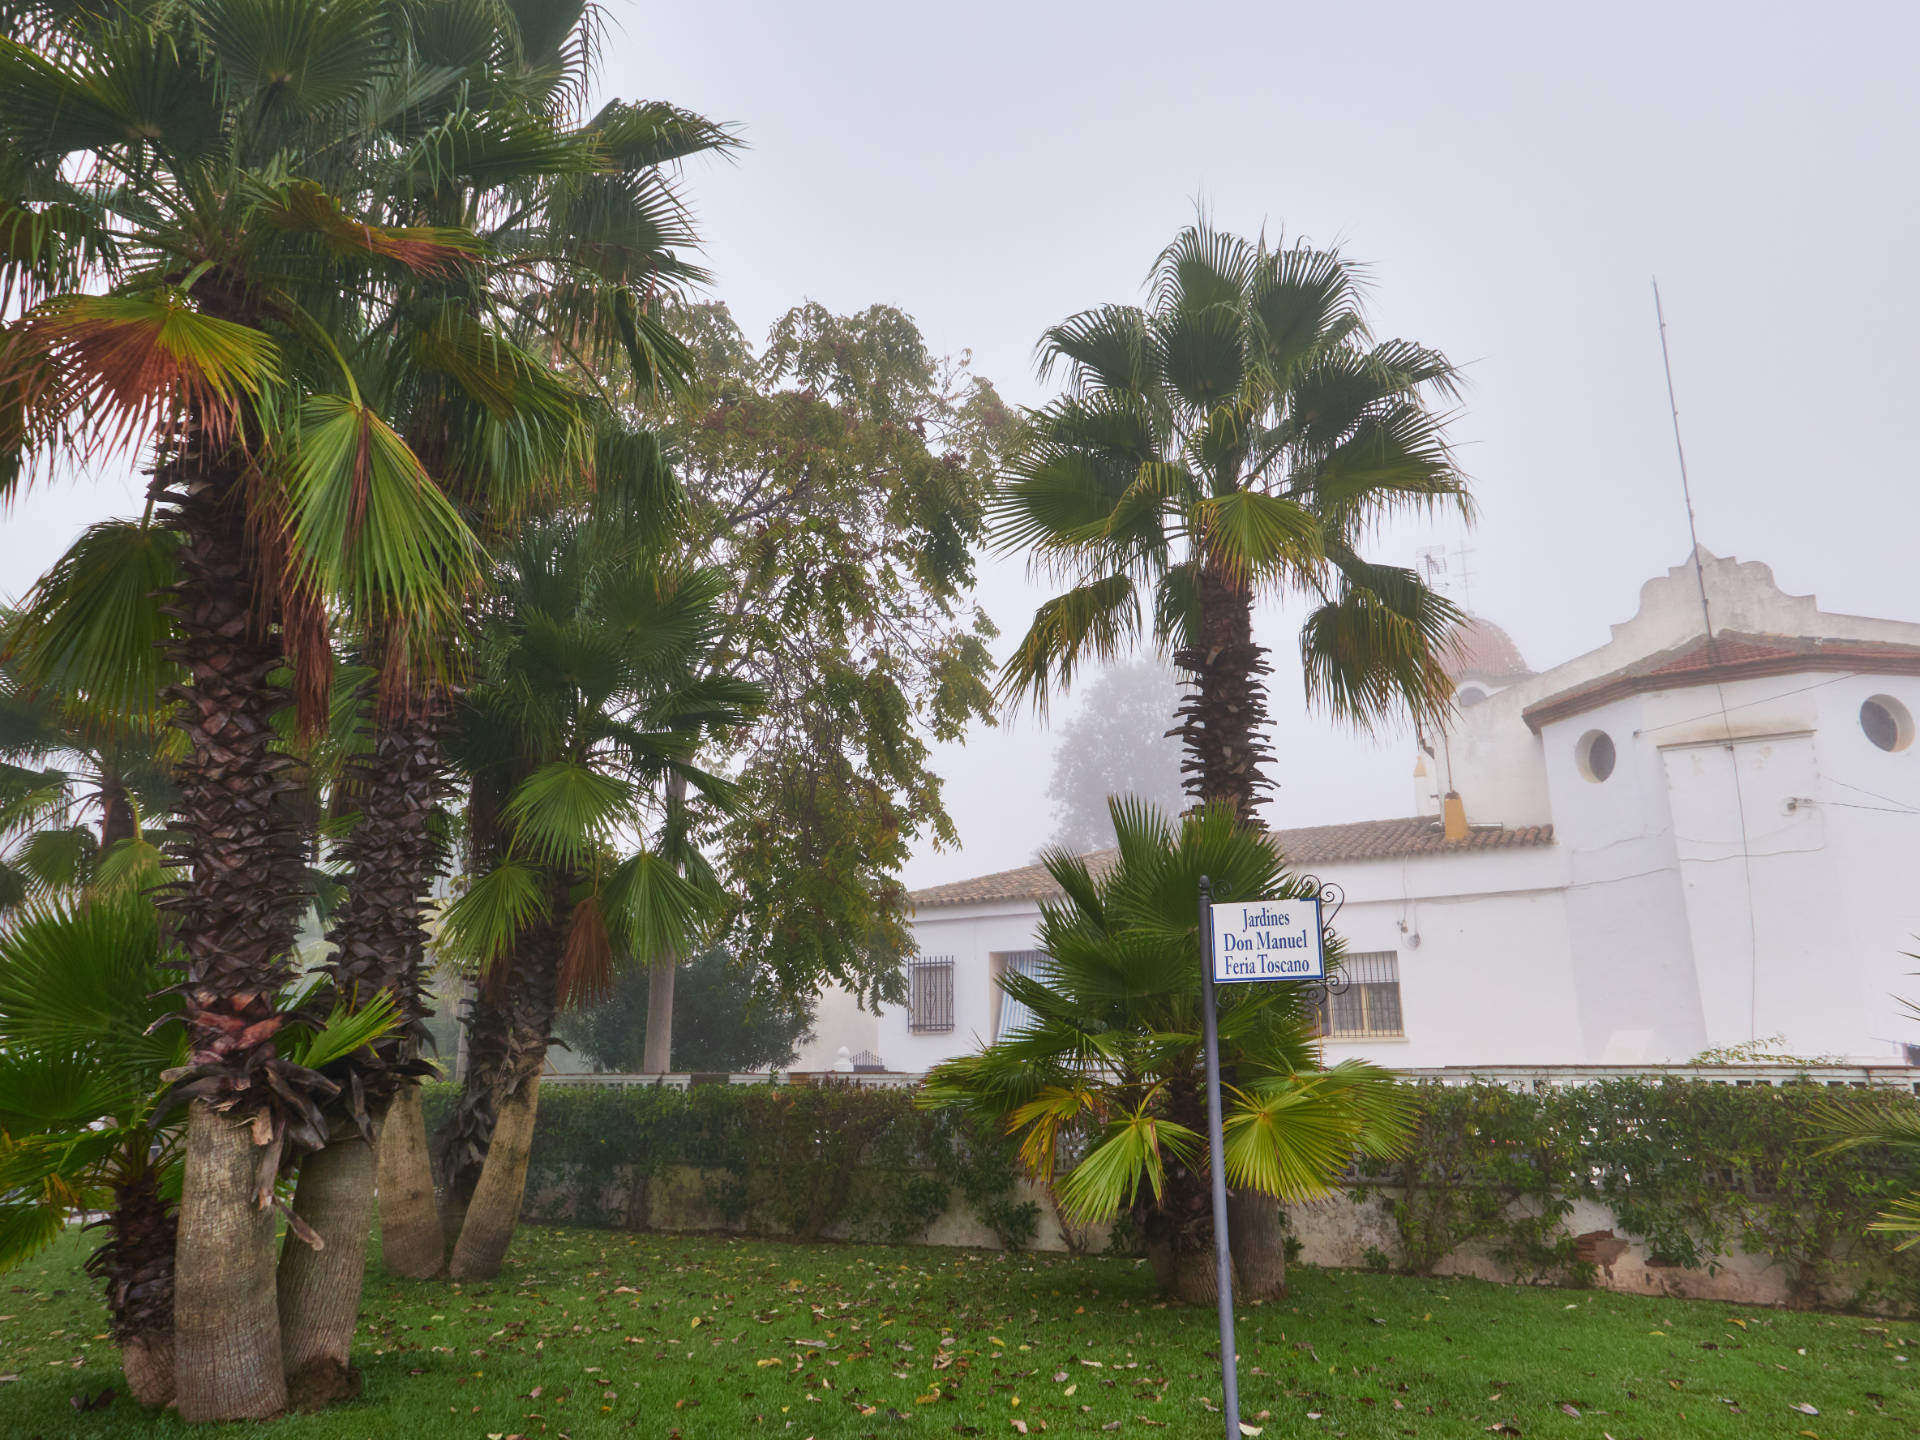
x=1513, y=174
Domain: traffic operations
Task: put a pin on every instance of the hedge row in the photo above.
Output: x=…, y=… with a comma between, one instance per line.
x=1694, y=1170
x=798, y=1160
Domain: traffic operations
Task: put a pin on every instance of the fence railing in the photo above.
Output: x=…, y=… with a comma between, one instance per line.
x=1513, y=1077
x=1549, y=1077
x=880, y=1080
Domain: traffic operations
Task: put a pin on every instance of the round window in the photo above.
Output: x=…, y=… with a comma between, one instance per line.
x=1595, y=755
x=1471, y=696
x=1886, y=722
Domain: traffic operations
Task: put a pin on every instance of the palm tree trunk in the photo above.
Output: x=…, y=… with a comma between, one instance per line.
x=235, y=919
x=411, y=1240
x=1222, y=720
x=116, y=816
x=379, y=948
x=1259, y=1245
x=658, y=1059
x=494, y=1210
x=463, y=1153
x=137, y=1264
x=658, y=1056
x=319, y=1289
x=225, y=1319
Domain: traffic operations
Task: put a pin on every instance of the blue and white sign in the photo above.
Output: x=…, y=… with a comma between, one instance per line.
x=1268, y=940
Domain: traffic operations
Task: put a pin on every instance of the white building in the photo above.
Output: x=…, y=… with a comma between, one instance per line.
x=1672, y=843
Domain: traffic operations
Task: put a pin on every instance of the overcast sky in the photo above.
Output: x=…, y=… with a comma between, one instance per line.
x=1514, y=175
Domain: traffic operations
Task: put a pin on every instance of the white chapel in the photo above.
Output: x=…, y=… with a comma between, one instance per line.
x=1704, y=833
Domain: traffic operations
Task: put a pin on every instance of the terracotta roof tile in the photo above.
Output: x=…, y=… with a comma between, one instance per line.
x=1732, y=656
x=1303, y=848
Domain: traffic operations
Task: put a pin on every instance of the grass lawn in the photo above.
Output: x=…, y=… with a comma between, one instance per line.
x=596, y=1333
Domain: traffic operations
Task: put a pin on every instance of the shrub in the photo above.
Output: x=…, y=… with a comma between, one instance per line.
x=1693, y=1169
x=798, y=1160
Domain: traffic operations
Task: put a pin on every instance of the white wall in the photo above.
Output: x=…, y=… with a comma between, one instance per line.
x=972, y=935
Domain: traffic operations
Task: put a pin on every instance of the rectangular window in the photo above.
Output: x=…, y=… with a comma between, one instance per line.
x=930, y=993
x=1369, y=1007
x=1035, y=965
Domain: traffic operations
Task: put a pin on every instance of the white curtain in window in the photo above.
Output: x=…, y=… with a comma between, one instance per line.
x=1035, y=965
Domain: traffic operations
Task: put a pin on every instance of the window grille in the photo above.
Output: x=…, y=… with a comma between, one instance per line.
x=930, y=993
x=1035, y=965
x=1370, y=1005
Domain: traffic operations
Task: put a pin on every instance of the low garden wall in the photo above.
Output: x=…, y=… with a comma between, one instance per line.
x=1676, y=1187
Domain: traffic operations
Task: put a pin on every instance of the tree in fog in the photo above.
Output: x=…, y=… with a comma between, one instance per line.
x=726, y=1016
x=1116, y=744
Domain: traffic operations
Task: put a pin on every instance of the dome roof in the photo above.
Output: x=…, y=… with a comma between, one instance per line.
x=1483, y=651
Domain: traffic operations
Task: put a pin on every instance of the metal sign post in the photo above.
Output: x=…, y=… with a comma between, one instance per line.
x=1241, y=943
x=1222, y=1255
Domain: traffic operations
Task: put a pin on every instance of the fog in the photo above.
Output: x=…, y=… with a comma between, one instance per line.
x=1515, y=175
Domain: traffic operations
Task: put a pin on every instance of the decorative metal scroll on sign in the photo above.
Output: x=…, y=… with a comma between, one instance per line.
x=1315, y=993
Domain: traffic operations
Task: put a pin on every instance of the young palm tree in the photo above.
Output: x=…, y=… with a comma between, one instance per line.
x=588, y=704
x=84, y=1125
x=186, y=180
x=1106, y=1086
x=79, y=1077
x=1238, y=436
x=83, y=774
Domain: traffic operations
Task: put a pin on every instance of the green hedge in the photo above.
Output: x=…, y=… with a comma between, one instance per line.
x=1694, y=1170
x=795, y=1160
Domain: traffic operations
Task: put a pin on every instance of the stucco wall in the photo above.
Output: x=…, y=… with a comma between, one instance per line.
x=1337, y=1232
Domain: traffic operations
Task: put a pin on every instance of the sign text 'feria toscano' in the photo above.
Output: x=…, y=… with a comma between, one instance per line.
x=1268, y=940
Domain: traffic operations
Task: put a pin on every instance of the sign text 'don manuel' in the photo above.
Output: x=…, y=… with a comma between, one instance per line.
x=1268, y=940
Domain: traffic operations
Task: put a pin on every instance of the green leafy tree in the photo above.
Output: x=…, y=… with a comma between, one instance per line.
x=726, y=1018
x=1237, y=437
x=1117, y=743
x=1106, y=1085
x=838, y=476
x=581, y=735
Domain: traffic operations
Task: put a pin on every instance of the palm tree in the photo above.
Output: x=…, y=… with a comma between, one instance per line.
x=85, y=1126
x=84, y=773
x=186, y=182
x=1106, y=1086
x=588, y=705
x=579, y=230
x=79, y=1076
x=1238, y=436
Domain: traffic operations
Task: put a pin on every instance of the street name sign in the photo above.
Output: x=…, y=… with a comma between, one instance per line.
x=1268, y=940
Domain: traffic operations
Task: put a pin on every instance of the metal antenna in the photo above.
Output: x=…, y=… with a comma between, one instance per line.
x=1719, y=690
x=1686, y=489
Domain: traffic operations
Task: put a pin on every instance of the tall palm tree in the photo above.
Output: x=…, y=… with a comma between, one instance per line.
x=188, y=179
x=588, y=704
x=579, y=231
x=1240, y=435
x=1106, y=1084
